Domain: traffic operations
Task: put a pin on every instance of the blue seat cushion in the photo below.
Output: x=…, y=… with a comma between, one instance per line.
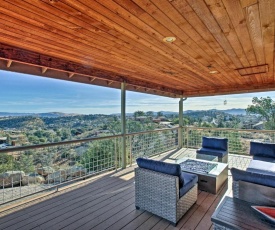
x=215, y=143
x=267, y=159
x=162, y=167
x=189, y=181
x=261, y=167
x=253, y=177
x=262, y=149
x=213, y=152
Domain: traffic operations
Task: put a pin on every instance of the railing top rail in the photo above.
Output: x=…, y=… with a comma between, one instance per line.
x=231, y=129
x=23, y=148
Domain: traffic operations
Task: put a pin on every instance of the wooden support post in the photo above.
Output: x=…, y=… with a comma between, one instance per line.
x=180, y=131
x=180, y=123
x=123, y=124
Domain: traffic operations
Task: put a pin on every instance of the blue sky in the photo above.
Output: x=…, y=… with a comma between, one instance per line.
x=26, y=93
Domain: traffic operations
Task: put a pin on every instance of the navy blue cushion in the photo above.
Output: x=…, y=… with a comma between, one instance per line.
x=212, y=152
x=262, y=149
x=215, y=143
x=162, y=167
x=260, y=171
x=253, y=177
x=189, y=181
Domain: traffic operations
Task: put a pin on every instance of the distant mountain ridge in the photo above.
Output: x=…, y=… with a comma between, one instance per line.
x=232, y=111
x=50, y=114
x=60, y=114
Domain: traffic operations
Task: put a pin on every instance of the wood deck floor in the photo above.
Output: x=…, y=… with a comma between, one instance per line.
x=108, y=202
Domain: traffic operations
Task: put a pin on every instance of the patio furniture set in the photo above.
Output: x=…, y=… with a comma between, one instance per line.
x=170, y=189
x=254, y=186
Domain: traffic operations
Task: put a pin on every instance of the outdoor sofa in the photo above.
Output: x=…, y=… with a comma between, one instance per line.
x=214, y=147
x=163, y=189
x=257, y=183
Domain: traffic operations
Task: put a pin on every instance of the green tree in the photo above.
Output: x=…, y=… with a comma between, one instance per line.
x=205, y=124
x=176, y=121
x=25, y=163
x=150, y=114
x=265, y=107
x=138, y=113
x=159, y=114
x=114, y=127
x=33, y=139
x=134, y=126
x=6, y=162
x=65, y=134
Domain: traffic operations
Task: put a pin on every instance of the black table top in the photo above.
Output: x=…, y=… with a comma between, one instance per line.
x=238, y=214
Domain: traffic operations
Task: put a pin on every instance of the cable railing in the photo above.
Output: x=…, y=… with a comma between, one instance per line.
x=31, y=169
x=238, y=139
x=28, y=170
x=148, y=144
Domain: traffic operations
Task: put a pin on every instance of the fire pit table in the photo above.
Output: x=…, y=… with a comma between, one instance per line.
x=212, y=175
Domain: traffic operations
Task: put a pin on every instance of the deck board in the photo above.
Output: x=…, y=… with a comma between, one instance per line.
x=108, y=202
x=75, y=199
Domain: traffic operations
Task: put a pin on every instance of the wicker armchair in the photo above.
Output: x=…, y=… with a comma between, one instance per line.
x=158, y=193
x=253, y=187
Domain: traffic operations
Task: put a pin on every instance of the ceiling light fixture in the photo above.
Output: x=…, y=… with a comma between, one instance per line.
x=211, y=69
x=169, y=39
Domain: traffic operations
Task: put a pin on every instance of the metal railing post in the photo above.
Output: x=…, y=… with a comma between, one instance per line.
x=180, y=144
x=123, y=124
x=130, y=150
x=187, y=138
x=115, y=155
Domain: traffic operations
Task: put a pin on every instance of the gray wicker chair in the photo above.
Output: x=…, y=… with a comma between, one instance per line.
x=158, y=193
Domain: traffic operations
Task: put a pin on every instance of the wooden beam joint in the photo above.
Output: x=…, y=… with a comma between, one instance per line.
x=71, y=75
x=44, y=69
x=109, y=82
x=9, y=62
x=92, y=79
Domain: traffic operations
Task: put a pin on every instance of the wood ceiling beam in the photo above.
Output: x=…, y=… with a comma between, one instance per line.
x=46, y=62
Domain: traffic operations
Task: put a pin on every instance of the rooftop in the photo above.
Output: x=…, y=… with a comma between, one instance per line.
x=173, y=48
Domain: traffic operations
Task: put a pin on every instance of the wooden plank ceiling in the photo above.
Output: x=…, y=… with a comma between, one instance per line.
x=221, y=46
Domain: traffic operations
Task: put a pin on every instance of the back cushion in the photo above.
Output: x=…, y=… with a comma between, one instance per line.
x=215, y=143
x=262, y=149
x=253, y=177
x=162, y=167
